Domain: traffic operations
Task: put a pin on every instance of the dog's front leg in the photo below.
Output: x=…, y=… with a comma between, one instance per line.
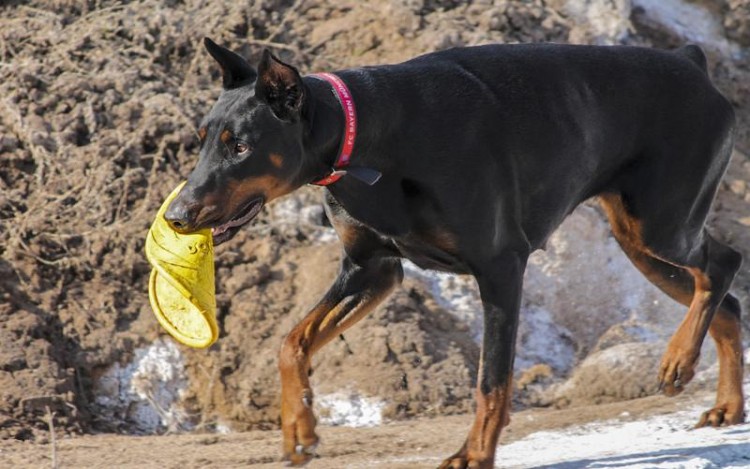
x=356, y=291
x=500, y=288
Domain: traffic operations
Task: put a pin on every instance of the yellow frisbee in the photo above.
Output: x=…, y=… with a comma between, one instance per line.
x=181, y=287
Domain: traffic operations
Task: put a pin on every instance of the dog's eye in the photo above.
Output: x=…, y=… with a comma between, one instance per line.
x=241, y=147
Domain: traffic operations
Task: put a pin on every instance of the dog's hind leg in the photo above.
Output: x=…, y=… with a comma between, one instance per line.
x=362, y=283
x=725, y=330
x=500, y=287
x=704, y=291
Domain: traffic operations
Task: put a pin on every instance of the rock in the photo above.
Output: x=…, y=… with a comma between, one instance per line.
x=738, y=186
x=624, y=371
x=597, y=21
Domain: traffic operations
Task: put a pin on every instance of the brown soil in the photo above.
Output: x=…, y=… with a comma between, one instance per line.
x=99, y=103
x=418, y=443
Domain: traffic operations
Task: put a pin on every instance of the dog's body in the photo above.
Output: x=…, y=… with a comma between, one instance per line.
x=483, y=152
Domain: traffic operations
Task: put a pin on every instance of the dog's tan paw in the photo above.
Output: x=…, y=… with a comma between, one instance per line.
x=722, y=415
x=462, y=460
x=301, y=455
x=677, y=369
x=298, y=429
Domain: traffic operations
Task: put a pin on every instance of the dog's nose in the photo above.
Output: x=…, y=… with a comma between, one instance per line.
x=178, y=216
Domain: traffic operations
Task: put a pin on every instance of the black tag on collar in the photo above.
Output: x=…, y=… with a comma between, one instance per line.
x=367, y=175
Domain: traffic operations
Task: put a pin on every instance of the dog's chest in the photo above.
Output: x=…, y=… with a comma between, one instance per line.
x=433, y=251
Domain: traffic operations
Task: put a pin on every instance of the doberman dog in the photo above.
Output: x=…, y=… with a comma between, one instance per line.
x=466, y=160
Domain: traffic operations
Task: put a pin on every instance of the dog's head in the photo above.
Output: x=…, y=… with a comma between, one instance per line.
x=251, y=146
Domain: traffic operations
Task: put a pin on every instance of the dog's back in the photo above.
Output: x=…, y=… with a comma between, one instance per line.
x=512, y=115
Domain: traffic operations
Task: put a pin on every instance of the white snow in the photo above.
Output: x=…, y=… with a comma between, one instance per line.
x=659, y=442
x=666, y=441
x=574, y=291
x=690, y=21
x=541, y=340
x=605, y=20
x=458, y=294
x=147, y=392
x=293, y=212
x=349, y=410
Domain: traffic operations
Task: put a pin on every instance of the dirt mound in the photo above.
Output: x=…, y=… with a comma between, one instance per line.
x=100, y=102
x=422, y=358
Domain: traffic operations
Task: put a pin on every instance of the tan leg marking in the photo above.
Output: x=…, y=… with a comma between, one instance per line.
x=730, y=402
x=492, y=415
x=325, y=322
x=683, y=351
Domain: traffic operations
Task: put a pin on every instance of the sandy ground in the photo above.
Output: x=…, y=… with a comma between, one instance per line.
x=100, y=103
x=418, y=443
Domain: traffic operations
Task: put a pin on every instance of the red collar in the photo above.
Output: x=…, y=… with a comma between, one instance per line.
x=350, y=128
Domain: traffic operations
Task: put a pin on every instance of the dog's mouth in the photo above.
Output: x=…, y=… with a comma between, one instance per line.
x=226, y=231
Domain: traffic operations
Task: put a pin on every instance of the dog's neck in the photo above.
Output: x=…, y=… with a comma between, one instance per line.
x=326, y=129
x=338, y=165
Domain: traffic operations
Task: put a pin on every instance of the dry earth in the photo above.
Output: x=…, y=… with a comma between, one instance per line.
x=417, y=443
x=99, y=102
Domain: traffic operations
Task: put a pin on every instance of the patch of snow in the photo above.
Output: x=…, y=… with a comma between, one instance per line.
x=657, y=442
x=292, y=212
x=665, y=441
x=222, y=428
x=147, y=392
x=458, y=294
x=690, y=21
x=588, y=285
x=574, y=292
x=325, y=235
x=349, y=410
x=541, y=340
x=605, y=20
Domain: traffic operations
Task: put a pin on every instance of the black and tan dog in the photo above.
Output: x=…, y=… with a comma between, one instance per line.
x=466, y=160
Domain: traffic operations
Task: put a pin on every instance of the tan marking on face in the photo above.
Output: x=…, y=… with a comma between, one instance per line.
x=202, y=132
x=276, y=160
x=225, y=136
x=267, y=186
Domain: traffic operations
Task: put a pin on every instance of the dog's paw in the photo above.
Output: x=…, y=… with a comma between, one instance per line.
x=298, y=429
x=302, y=455
x=462, y=460
x=676, y=370
x=722, y=415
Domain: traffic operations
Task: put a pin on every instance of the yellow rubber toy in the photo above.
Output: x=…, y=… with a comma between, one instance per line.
x=181, y=287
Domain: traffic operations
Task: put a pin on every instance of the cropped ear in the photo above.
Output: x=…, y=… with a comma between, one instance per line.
x=235, y=70
x=280, y=86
